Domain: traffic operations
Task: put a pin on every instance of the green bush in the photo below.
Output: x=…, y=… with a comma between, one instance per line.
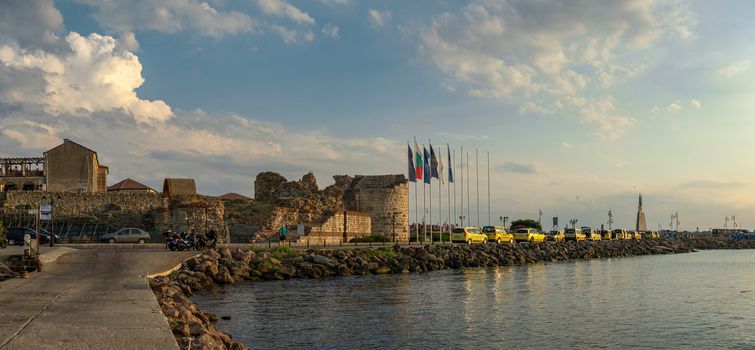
x=283, y=252
x=370, y=239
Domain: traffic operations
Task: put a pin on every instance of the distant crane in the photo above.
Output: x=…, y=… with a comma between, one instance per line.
x=733, y=221
x=726, y=223
x=674, y=220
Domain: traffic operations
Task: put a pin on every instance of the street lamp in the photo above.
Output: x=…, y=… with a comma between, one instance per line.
x=461, y=218
x=505, y=218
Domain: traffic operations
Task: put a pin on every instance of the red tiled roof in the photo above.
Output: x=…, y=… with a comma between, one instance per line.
x=129, y=185
x=231, y=196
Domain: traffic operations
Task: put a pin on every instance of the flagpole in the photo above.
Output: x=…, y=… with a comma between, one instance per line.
x=448, y=190
x=424, y=201
x=440, y=196
x=469, y=219
x=489, y=223
x=461, y=167
x=477, y=183
x=454, y=163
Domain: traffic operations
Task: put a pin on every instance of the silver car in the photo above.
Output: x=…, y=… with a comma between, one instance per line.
x=127, y=235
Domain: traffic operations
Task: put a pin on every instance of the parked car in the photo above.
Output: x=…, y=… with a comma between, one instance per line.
x=605, y=235
x=15, y=235
x=127, y=235
x=555, y=235
x=620, y=234
x=635, y=235
x=498, y=234
x=574, y=234
x=650, y=235
x=529, y=234
x=590, y=234
x=469, y=235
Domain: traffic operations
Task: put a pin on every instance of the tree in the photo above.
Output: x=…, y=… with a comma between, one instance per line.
x=526, y=223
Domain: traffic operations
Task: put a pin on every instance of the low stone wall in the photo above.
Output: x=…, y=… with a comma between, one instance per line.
x=356, y=225
x=69, y=204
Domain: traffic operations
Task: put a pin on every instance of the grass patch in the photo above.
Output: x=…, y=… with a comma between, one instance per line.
x=283, y=252
x=387, y=252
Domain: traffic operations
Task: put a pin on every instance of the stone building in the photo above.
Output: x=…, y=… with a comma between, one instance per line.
x=386, y=199
x=69, y=167
x=641, y=224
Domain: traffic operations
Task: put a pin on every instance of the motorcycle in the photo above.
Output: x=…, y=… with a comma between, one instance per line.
x=180, y=243
x=203, y=242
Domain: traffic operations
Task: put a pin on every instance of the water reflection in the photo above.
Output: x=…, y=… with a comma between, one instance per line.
x=690, y=300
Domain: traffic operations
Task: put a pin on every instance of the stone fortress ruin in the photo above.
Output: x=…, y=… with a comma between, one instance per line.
x=70, y=178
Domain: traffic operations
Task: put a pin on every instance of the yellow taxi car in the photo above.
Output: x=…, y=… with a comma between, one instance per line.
x=605, y=235
x=590, y=234
x=555, y=235
x=468, y=235
x=498, y=234
x=650, y=235
x=574, y=234
x=635, y=234
x=620, y=234
x=529, y=234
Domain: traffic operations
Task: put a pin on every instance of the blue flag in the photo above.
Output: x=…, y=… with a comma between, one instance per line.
x=427, y=165
x=450, y=166
x=433, y=163
x=412, y=171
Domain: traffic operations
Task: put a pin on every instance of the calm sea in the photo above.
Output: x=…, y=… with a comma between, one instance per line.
x=703, y=300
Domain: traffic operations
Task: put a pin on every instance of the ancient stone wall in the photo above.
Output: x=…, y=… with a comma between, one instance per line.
x=69, y=204
x=386, y=199
x=356, y=224
x=197, y=213
x=266, y=184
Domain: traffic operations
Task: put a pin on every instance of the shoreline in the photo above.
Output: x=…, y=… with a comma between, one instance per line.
x=191, y=325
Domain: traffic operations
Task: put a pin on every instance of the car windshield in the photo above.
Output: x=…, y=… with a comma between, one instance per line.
x=570, y=230
x=458, y=230
x=523, y=230
x=616, y=231
x=488, y=229
x=473, y=230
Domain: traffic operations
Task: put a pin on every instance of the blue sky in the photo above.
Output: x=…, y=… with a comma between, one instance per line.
x=581, y=104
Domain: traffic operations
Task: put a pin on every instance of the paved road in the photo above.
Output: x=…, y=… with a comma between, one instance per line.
x=88, y=299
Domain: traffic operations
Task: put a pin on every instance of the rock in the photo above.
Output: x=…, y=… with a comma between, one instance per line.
x=322, y=260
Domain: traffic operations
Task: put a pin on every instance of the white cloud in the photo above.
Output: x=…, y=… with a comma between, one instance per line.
x=330, y=30
x=566, y=145
x=622, y=163
x=546, y=58
x=674, y=106
x=93, y=76
x=169, y=17
x=30, y=23
x=284, y=9
x=734, y=69
x=655, y=109
x=291, y=36
x=601, y=112
x=379, y=18
x=695, y=104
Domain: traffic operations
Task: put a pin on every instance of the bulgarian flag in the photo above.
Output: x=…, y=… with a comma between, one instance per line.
x=418, y=165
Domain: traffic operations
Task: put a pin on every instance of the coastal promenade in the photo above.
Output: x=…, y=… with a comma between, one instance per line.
x=88, y=299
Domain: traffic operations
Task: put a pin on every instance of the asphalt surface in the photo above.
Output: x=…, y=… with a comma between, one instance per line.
x=88, y=299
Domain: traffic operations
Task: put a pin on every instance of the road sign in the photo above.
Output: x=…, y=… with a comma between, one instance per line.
x=45, y=212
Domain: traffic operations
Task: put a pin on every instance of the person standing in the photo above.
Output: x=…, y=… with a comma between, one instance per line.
x=284, y=231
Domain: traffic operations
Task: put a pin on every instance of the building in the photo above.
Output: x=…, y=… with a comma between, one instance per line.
x=129, y=185
x=641, y=225
x=232, y=196
x=386, y=199
x=69, y=167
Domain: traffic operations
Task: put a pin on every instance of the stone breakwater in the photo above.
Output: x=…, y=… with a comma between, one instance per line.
x=194, y=328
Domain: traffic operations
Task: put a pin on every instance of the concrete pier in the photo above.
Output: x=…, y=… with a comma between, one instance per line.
x=88, y=299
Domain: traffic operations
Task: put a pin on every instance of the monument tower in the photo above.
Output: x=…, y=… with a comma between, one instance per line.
x=641, y=224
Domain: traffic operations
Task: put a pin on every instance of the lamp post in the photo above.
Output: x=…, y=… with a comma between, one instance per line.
x=461, y=218
x=505, y=218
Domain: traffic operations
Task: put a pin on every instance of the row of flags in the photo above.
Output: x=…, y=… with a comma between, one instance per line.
x=424, y=166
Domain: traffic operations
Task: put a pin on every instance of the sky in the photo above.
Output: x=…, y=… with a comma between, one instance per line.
x=581, y=105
